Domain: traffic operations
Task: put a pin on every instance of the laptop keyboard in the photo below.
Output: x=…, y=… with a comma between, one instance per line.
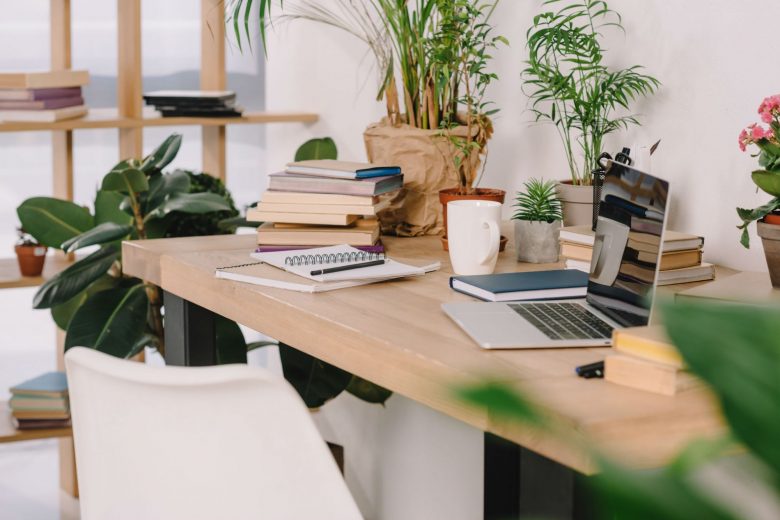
x=563, y=320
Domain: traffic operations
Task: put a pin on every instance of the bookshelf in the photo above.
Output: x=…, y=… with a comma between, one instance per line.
x=128, y=118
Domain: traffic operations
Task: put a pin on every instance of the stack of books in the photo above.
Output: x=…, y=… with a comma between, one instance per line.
x=681, y=261
x=43, y=97
x=324, y=203
x=194, y=103
x=644, y=359
x=41, y=402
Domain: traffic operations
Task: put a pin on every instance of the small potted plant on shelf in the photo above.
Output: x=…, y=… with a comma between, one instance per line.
x=767, y=178
x=537, y=222
x=30, y=254
x=570, y=86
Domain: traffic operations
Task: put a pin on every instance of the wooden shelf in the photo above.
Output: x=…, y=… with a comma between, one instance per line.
x=10, y=434
x=109, y=118
x=11, y=278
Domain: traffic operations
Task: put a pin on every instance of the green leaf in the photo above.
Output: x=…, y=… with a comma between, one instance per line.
x=189, y=203
x=231, y=345
x=313, y=149
x=501, y=401
x=63, y=313
x=163, y=154
x=165, y=184
x=108, y=208
x=317, y=382
x=53, y=221
x=736, y=349
x=125, y=181
x=112, y=321
x=769, y=182
x=368, y=391
x=68, y=283
x=101, y=234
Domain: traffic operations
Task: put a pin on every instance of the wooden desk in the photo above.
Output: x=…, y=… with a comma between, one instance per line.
x=396, y=335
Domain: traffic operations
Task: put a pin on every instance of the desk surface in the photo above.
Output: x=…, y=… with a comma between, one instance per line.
x=395, y=334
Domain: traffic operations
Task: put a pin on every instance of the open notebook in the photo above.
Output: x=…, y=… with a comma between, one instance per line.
x=292, y=269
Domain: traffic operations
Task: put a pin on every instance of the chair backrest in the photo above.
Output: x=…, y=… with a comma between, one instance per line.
x=213, y=442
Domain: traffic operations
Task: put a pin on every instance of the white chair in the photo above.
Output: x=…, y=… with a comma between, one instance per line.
x=227, y=442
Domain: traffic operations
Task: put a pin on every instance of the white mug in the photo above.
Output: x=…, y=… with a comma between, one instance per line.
x=473, y=235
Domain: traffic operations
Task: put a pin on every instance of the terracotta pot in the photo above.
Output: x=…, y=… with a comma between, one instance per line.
x=31, y=259
x=451, y=194
x=577, y=203
x=772, y=219
x=537, y=242
x=770, y=239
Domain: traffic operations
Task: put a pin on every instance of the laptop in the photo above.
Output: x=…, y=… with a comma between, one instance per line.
x=624, y=268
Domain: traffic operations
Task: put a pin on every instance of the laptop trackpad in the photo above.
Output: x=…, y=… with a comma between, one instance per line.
x=496, y=325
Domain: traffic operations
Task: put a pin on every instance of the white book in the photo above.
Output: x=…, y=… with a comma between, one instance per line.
x=43, y=116
x=327, y=209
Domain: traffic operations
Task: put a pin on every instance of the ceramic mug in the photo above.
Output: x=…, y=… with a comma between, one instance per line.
x=473, y=234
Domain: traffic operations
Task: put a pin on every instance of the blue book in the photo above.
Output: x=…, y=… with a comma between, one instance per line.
x=50, y=384
x=342, y=169
x=537, y=285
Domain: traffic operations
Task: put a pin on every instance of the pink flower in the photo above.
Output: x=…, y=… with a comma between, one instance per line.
x=744, y=140
x=759, y=132
x=769, y=108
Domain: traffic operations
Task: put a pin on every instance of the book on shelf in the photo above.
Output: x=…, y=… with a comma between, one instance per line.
x=175, y=111
x=43, y=104
x=41, y=402
x=642, y=374
x=330, y=209
x=50, y=384
x=317, y=199
x=673, y=240
x=362, y=233
x=38, y=94
x=649, y=342
x=325, y=219
x=540, y=285
x=195, y=98
x=341, y=169
x=40, y=414
x=309, y=184
x=43, y=79
x=43, y=116
x=33, y=402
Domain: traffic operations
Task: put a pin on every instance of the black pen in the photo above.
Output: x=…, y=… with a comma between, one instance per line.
x=347, y=267
x=592, y=370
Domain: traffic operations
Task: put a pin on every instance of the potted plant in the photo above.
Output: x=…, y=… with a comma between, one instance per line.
x=767, y=178
x=30, y=254
x=570, y=86
x=439, y=50
x=537, y=222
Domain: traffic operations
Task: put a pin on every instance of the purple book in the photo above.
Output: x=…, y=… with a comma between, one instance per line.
x=36, y=94
x=376, y=249
x=312, y=184
x=43, y=104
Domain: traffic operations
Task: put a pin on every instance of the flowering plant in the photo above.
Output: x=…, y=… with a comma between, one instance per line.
x=767, y=140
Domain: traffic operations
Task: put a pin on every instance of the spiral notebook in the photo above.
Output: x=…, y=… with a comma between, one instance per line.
x=285, y=269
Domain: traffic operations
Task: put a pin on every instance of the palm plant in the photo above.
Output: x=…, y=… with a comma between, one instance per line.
x=570, y=86
x=539, y=202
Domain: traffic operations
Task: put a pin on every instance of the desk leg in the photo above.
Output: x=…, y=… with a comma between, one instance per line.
x=189, y=333
x=522, y=484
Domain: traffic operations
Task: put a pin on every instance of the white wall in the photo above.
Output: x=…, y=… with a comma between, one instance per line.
x=713, y=57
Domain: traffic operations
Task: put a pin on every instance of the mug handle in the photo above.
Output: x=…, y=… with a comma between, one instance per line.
x=495, y=238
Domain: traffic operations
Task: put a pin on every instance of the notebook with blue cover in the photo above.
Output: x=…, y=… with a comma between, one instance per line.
x=342, y=169
x=50, y=384
x=537, y=285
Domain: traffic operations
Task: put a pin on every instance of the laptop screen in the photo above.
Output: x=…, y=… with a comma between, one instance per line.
x=627, y=248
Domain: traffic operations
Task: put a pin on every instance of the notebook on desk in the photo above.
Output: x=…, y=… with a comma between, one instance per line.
x=293, y=270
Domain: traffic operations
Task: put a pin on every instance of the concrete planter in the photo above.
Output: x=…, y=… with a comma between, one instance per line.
x=537, y=242
x=577, y=202
x=770, y=239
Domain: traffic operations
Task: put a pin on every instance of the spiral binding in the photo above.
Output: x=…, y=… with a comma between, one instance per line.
x=332, y=258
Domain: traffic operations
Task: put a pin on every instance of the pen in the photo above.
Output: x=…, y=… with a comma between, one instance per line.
x=591, y=370
x=347, y=267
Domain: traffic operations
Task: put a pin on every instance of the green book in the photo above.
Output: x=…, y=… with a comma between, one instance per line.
x=37, y=402
x=50, y=384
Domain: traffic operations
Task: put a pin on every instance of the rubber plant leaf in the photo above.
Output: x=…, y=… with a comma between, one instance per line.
x=125, y=181
x=368, y=391
x=68, y=283
x=230, y=342
x=315, y=149
x=53, y=221
x=189, y=203
x=63, y=313
x=112, y=321
x=108, y=208
x=100, y=234
x=163, y=154
x=317, y=382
